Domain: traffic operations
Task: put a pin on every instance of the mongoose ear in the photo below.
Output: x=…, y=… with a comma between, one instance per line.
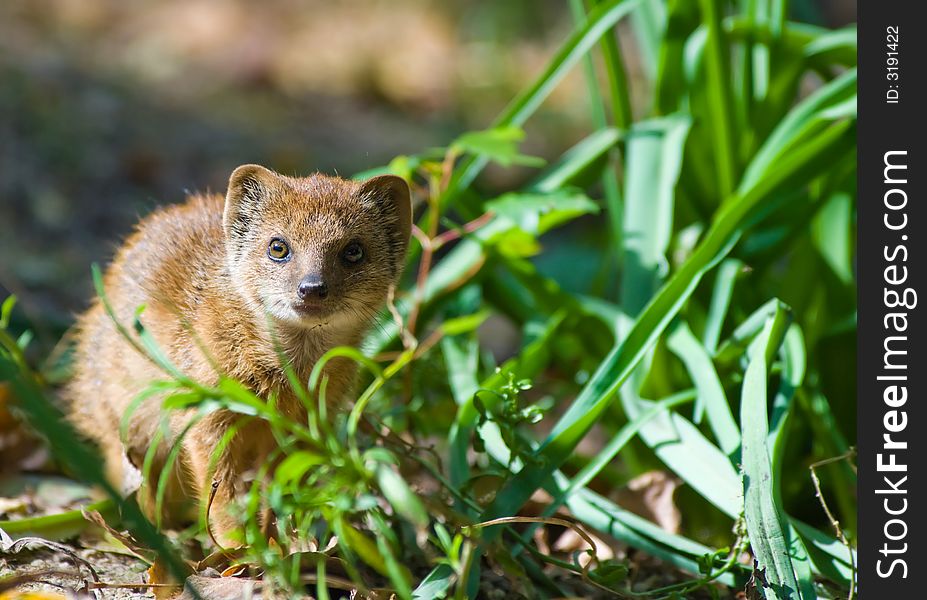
x=249, y=186
x=392, y=194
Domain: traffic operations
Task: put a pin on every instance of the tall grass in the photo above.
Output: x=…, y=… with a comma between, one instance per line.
x=723, y=206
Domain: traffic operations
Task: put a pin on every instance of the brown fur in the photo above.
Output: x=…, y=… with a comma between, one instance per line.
x=215, y=299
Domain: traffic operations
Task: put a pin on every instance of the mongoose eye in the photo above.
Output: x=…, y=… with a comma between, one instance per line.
x=353, y=253
x=278, y=250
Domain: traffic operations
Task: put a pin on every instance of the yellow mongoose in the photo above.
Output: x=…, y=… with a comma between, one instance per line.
x=298, y=264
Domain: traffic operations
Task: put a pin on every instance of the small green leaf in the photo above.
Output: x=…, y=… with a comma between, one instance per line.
x=516, y=243
x=465, y=324
x=436, y=584
x=766, y=525
x=6, y=309
x=609, y=572
x=295, y=466
x=499, y=145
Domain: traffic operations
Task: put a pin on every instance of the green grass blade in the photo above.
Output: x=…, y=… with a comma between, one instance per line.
x=766, y=525
x=720, y=300
x=60, y=526
x=648, y=22
x=791, y=130
x=720, y=101
x=690, y=455
x=827, y=555
x=461, y=354
x=603, y=515
x=610, y=185
x=671, y=88
x=686, y=346
x=574, y=164
x=654, y=159
x=794, y=363
x=436, y=583
x=618, y=86
x=832, y=234
x=596, y=105
x=78, y=457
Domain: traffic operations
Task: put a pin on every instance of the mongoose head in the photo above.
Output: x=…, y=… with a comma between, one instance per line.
x=315, y=251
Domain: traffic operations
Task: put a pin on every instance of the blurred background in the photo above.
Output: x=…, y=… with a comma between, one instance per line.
x=109, y=108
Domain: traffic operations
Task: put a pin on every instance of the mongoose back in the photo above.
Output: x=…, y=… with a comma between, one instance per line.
x=281, y=263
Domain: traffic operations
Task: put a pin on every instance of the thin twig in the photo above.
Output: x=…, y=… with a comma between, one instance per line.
x=408, y=340
x=447, y=169
x=848, y=456
x=465, y=229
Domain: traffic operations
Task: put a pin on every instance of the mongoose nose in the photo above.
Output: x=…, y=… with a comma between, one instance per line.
x=312, y=286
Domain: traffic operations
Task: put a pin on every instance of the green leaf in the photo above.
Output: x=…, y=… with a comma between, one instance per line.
x=829, y=557
x=766, y=524
x=537, y=213
x=466, y=323
x=574, y=164
x=499, y=144
x=359, y=544
x=621, y=113
x=607, y=517
x=6, y=309
x=805, y=121
x=721, y=114
x=832, y=232
x=648, y=22
x=614, y=446
x=436, y=584
x=720, y=300
x=711, y=393
x=295, y=466
x=654, y=159
x=691, y=456
x=60, y=526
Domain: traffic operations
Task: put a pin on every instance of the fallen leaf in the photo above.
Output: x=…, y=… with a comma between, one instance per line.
x=10, y=546
x=165, y=586
x=123, y=538
x=572, y=543
x=234, y=571
x=650, y=495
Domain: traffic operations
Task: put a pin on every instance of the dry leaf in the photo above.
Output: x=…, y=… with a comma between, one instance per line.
x=234, y=571
x=571, y=542
x=650, y=495
x=10, y=546
x=165, y=586
x=123, y=538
